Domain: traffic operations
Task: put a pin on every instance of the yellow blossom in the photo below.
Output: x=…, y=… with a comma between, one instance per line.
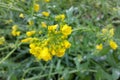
x=47, y=0
x=18, y=33
x=21, y=15
x=30, y=22
x=2, y=40
x=53, y=52
x=46, y=14
x=45, y=55
x=14, y=31
x=67, y=44
x=14, y=27
x=32, y=45
x=36, y=7
x=43, y=24
x=104, y=30
x=111, y=31
x=60, y=52
x=52, y=28
x=9, y=21
x=113, y=45
x=66, y=30
x=26, y=40
x=60, y=17
x=99, y=47
x=30, y=33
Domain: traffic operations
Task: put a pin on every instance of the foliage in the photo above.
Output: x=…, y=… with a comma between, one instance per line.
x=59, y=39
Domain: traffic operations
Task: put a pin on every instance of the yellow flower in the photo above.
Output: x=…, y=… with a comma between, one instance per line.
x=9, y=21
x=52, y=28
x=111, y=31
x=30, y=22
x=104, y=30
x=26, y=40
x=60, y=52
x=14, y=27
x=2, y=40
x=14, y=31
x=99, y=47
x=47, y=0
x=113, y=45
x=66, y=30
x=46, y=14
x=21, y=15
x=67, y=44
x=30, y=33
x=32, y=45
x=43, y=24
x=45, y=55
x=18, y=33
x=36, y=7
x=60, y=17
x=53, y=52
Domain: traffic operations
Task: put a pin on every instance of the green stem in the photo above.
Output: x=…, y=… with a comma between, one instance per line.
x=9, y=53
x=3, y=5
x=40, y=76
x=4, y=48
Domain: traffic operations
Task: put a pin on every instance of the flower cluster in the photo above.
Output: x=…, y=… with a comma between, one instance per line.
x=60, y=17
x=47, y=41
x=107, y=35
x=54, y=43
x=15, y=31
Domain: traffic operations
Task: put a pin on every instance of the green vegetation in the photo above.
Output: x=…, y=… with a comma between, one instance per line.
x=59, y=39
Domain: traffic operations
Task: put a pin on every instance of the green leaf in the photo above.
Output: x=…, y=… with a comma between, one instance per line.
x=115, y=73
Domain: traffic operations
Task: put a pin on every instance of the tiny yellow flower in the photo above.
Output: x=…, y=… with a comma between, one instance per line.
x=45, y=55
x=52, y=28
x=30, y=22
x=32, y=45
x=18, y=33
x=60, y=17
x=2, y=40
x=66, y=30
x=9, y=21
x=46, y=14
x=53, y=52
x=67, y=44
x=36, y=7
x=104, y=30
x=111, y=31
x=21, y=15
x=113, y=45
x=15, y=33
x=47, y=1
x=60, y=52
x=14, y=27
x=30, y=33
x=43, y=24
x=26, y=40
x=99, y=47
